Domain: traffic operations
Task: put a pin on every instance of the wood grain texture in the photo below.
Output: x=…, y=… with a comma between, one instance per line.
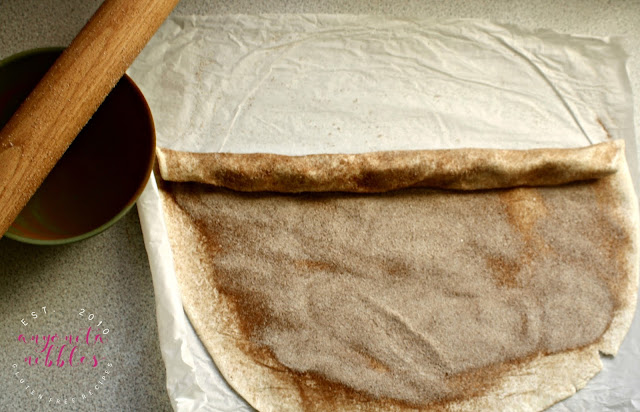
x=38, y=134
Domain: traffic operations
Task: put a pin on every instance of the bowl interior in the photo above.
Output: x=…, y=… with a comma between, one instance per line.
x=101, y=174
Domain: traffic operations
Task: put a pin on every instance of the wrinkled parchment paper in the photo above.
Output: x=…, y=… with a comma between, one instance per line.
x=303, y=84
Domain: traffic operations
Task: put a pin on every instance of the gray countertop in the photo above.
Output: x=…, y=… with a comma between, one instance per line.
x=108, y=275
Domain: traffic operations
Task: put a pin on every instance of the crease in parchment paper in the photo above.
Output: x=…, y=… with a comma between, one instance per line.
x=551, y=84
x=309, y=84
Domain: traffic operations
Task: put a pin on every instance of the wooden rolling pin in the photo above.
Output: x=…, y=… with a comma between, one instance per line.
x=44, y=126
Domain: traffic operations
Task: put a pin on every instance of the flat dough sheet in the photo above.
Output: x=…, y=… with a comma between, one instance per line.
x=248, y=84
x=490, y=298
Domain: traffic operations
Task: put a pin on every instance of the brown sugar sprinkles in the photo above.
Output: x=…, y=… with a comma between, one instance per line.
x=494, y=294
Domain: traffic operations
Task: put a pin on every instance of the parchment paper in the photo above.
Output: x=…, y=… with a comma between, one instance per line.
x=303, y=84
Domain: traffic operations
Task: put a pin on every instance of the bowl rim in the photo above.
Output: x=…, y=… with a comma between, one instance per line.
x=150, y=160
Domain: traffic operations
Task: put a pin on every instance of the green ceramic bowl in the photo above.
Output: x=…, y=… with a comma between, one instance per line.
x=103, y=172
